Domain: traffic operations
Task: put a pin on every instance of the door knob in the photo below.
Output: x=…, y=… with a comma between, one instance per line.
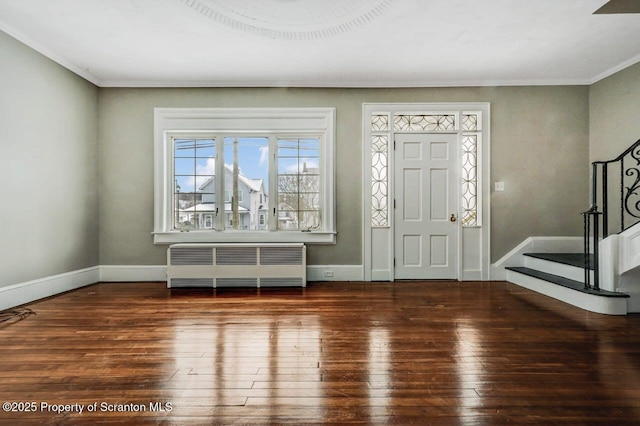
x=453, y=218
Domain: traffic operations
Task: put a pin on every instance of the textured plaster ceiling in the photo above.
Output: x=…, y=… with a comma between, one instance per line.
x=328, y=43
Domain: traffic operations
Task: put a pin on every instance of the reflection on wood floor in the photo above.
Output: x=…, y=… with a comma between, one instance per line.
x=376, y=353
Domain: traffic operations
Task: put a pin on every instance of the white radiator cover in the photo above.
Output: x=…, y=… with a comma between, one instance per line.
x=237, y=265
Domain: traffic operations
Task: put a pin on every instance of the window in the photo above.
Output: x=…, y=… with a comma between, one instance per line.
x=194, y=196
x=246, y=155
x=227, y=196
x=298, y=184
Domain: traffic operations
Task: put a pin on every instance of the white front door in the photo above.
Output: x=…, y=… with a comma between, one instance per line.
x=426, y=206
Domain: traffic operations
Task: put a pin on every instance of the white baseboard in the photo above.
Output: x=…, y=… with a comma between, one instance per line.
x=133, y=273
x=335, y=273
x=19, y=294
x=537, y=245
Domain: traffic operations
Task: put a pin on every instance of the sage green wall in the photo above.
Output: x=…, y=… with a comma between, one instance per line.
x=539, y=148
x=542, y=138
x=48, y=158
x=614, y=114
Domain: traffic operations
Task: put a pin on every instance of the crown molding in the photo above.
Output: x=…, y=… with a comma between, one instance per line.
x=617, y=68
x=60, y=60
x=361, y=84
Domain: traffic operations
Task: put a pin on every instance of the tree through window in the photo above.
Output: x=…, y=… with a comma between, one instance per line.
x=298, y=184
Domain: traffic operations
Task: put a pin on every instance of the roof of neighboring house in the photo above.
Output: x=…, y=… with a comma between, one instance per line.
x=253, y=184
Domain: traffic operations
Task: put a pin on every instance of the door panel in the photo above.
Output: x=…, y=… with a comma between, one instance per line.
x=439, y=250
x=426, y=241
x=439, y=190
x=412, y=206
x=412, y=250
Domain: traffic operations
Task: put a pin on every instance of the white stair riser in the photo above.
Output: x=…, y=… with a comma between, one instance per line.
x=589, y=302
x=567, y=271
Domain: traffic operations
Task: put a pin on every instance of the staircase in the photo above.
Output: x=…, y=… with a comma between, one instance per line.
x=599, y=278
x=562, y=276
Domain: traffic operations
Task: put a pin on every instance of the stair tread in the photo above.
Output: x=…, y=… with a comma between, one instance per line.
x=572, y=259
x=565, y=282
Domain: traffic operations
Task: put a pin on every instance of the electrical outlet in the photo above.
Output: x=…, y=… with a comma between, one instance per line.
x=499, y=186
x=328, y=273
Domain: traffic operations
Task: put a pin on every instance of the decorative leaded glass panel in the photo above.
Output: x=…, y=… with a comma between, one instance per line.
x=422, y=123
x=469, y=121
x=379, y=182
x=469, y=180
x=380, y=123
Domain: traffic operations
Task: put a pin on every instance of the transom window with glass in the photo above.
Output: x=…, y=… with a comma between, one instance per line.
x=268, y=179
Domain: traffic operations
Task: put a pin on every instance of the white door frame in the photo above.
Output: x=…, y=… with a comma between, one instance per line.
x=378, y=240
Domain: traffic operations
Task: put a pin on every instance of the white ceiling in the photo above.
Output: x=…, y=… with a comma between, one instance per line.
x=327, y=43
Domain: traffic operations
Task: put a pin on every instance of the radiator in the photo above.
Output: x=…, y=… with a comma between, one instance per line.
x=236, y=265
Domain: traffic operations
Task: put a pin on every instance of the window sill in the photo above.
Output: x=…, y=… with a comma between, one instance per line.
x=244, y=237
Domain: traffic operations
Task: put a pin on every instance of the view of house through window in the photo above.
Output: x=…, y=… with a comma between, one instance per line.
x=249, y=166
x=246, y=181
x=194, y=166
x=298, y=184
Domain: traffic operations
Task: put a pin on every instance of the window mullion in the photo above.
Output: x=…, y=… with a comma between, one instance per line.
x=272, y=200
x=220, y=215
x=170, y=213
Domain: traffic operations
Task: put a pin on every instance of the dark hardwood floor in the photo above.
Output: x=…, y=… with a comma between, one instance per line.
x=424, y=353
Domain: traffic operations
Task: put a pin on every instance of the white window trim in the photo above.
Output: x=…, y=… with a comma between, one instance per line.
x=169, y=122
